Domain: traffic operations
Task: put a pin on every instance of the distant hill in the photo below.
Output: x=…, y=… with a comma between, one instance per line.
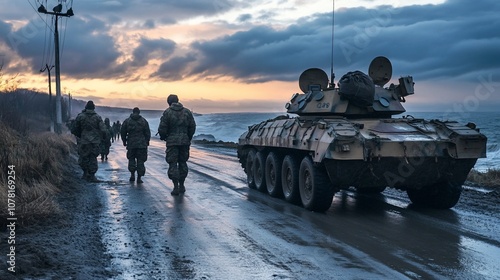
x=27, y=110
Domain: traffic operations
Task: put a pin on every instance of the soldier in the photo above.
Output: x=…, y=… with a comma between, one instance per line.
x=72, y=128
x=135, y=136
x=90, y=129
x=113, y=135
x=177, y=127
x=106, y=143
x=118, y=129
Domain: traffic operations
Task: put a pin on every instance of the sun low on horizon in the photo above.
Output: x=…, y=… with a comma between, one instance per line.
x=232, y=56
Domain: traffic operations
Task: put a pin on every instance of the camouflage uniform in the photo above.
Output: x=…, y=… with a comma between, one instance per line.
x=106, y=143
x=115, y=130
x=136, y=135
x=90, y=128
x=72, y=127
x=177, y=127
x=118, y=129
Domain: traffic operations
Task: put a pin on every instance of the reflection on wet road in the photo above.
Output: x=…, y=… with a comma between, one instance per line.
x=220, y=229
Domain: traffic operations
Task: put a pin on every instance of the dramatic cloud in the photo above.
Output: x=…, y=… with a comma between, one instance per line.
x=160, y=10
x=432, y=42
x=174, y=69
x=262, y=53
x=152, y=49
x=456, y=39
x=166, y=41
x=91, y=53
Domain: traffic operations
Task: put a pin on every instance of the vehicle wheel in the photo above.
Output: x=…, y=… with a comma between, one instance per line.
x=273, y=175
x=249, y=169
x=290, y=180
x=370, y=190
x=442, y=195
x=316, y=192
x=418, y=197
x=259, y=171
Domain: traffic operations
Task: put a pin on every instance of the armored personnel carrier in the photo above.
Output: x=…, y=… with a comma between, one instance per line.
x=346, y=137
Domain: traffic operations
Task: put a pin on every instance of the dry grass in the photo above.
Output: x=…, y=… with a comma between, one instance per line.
x=490, y=178
x=39, y=160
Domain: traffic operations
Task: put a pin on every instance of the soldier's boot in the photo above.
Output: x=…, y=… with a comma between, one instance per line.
x=85, y=174
x=132, y=176
x=139, y=181
x=92, y=178
x=102, y=157
x=182, y=188
x=175, y=191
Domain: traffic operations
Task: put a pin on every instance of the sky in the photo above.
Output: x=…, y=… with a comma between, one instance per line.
x=247, y=56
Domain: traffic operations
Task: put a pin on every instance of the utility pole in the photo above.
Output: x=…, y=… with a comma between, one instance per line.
x=51, y=109
x=70, y=100
x=56, y=11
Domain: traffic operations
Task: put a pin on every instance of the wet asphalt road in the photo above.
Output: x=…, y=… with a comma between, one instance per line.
x=220, y=229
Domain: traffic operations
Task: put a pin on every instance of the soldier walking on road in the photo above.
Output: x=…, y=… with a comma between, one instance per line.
x=118, y=129
x=113, y=128
x=90, y=129
x=106, y=143
x=177, y=127
x=135, y=136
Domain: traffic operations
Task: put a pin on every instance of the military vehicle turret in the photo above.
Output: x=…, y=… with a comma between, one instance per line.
x=346, y=136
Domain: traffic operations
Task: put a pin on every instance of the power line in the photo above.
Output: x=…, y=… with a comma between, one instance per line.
x=69, y=5
x=57, y=13
x=48, y=51
x=36, y=10
x=332, y=74
x=44, y=46
x=64, y=35
x=48, y=27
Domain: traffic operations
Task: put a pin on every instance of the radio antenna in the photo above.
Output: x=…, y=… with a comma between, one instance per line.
x=332, y=75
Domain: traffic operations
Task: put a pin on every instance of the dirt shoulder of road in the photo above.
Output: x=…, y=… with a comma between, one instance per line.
x=67, y=244
x=480, y=199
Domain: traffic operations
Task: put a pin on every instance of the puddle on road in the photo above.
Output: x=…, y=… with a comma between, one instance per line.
x=113, y=169
x=114, y=231
x=114, y=234
x=481, y=257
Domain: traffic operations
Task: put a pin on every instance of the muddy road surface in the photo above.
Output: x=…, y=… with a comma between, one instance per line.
x=220, y=229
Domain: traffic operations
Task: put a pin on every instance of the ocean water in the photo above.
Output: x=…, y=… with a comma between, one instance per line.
x=229, y=126
x=225, y=127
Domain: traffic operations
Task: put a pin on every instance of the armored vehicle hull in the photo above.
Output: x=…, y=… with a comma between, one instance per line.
x=334, y=144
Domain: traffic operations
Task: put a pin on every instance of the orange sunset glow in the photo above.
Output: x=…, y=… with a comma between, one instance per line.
x=232, y=57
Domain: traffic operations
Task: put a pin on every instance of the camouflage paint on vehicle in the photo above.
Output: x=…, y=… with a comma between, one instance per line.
x=336, y=143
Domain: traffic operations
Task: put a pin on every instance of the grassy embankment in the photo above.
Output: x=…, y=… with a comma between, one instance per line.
x=38, y=157
x=491, y=178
